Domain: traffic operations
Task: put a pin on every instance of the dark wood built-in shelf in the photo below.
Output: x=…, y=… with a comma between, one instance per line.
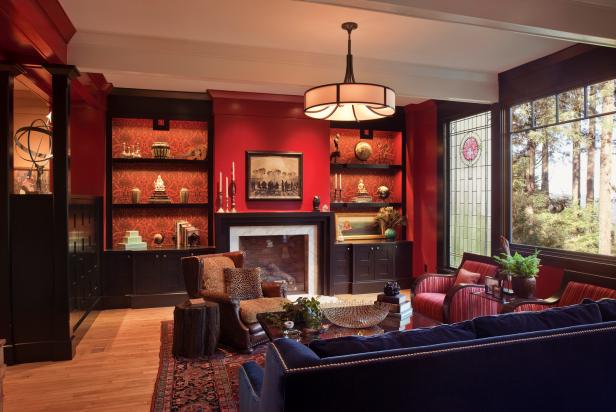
x=148, y=160
x=338, y=206
x=351, y=166
x=158, y=205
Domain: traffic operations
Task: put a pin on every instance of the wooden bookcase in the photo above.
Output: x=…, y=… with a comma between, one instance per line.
x=153, y=277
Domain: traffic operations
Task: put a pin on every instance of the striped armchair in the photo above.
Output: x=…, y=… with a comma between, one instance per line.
x=574, y=288
x=437, y=297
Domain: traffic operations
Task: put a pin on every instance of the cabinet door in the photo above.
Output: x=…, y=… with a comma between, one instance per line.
x=147, y=273
x=362, y=263
x=383, y=261
x=403, y=260
x=342, y=263
x=171, y=278
x=118, y=279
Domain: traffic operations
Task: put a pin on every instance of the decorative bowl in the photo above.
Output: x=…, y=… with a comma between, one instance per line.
x=356, y=316
x=160, y=150
x=363, y=151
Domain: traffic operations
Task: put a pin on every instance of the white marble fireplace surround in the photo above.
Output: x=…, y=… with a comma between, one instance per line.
x=277, y=230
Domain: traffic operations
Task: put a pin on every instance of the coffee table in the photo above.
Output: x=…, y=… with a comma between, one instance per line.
x=331, y=331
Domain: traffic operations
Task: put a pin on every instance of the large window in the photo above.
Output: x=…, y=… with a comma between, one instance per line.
x=469, y=157
x=564, y=171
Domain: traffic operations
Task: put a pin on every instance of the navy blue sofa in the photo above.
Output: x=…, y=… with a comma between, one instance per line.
x=556, y=360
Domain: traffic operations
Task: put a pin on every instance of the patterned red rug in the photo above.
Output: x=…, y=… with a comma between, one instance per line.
x=202, y=384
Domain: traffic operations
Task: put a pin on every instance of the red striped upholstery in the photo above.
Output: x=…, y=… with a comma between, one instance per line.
x=576, y=292
x=435, y=284
x=485, y=269
x=531, y=307
x=464, y=305
x=430, y=304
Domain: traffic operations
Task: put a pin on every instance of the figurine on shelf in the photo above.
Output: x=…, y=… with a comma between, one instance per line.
x=183, y=195
x=137, y=151
x=333, y=157
x=383, y=192
x=316, y=201
x=362, y=194
x=160, y=193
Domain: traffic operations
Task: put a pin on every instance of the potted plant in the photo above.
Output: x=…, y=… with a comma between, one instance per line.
x=389, y=218
x=305, y=310
x=523, y=272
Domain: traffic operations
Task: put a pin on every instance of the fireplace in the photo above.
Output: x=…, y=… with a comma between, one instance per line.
x=289, y=246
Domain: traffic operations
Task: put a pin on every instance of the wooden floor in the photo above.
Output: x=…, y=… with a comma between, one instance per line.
x=114, y=369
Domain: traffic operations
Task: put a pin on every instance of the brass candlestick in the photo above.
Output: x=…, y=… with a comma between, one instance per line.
x=233, y=209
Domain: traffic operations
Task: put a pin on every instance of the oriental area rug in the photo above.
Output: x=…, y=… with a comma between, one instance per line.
x=201, y=384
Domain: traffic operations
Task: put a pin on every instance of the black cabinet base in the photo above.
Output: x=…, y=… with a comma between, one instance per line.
x=377, y=286
x=38, y=352
x=158, y=300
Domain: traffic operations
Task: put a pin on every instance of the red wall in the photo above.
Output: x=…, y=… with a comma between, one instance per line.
x=87, y=150
x=247, y=121
x=421, y=126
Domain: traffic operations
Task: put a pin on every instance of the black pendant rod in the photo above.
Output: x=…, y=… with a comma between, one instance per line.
x=349, y=77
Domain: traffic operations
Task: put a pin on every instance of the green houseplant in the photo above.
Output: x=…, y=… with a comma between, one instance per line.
x=523, y=271
x=305, y=310
x=389, y=218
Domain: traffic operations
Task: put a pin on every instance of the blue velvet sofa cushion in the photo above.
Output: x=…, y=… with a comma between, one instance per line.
x=607, y=307
x=394, y=340
x=296, y=355
x=513, y=323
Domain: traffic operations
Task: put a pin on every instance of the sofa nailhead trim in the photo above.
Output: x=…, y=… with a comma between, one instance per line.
x=288, y=370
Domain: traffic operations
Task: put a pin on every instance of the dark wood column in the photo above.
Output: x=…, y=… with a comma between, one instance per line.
x=7, y=73
x=61, y=108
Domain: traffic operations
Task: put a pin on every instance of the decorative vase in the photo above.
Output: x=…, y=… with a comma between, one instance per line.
x=391, y=289
x=183, y=195
x=135, y=195
x=160, y=150
x=390, y=233
x=524, y=287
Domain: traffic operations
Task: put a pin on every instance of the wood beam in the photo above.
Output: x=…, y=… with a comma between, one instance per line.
x=567, y=20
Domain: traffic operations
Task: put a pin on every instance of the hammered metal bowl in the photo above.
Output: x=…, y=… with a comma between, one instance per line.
x=363, y=151
x=353, y=316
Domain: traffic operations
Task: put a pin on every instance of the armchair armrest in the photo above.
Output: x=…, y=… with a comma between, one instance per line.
x=434, y=283
x=458, y=308
x=274, y=289
x=524, y=305
x=220, y=298
x=251, y=381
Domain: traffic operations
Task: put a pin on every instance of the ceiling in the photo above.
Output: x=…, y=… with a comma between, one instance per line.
x=284, y=46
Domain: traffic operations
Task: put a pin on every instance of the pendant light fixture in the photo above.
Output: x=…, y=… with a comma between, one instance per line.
x=349, y=101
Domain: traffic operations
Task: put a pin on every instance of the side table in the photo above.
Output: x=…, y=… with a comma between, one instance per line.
x=482, y=304
x=196, y=328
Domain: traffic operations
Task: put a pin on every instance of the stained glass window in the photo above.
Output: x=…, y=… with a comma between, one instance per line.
x=470, y=186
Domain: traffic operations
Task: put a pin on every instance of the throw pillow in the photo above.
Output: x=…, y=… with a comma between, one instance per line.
x=394, y=340
x=607, y=308
x=212, y=272
x=512, y=323
x=243, y=283
x=466, y=276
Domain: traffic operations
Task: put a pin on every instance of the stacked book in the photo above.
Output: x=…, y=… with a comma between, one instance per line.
x=132, y=241
x=400, y=311
x=186, y=235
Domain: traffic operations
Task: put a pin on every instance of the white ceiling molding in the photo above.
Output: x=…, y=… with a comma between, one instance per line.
x=184, y=65
x=589, y=21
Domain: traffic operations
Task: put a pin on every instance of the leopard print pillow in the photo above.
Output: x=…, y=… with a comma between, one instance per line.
x=243, y=283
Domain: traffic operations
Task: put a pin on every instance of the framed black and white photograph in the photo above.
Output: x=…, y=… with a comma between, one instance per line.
x=274, y=175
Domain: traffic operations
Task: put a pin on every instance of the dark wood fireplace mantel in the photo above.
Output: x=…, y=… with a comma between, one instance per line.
x=323, y=222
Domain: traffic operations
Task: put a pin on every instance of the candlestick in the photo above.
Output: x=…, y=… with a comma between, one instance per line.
x=340, y=185
x=233, y=171
x=220, y=209
x=220, y=183
x=335, y=181
x=233, y=210
x=227, y=192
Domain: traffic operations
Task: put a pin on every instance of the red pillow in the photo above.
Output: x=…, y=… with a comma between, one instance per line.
x=466, y=276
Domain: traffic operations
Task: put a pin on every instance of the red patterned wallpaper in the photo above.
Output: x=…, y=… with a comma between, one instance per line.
x=127, y=176
x=151, y=221
x=372, y=180
x=182, y=136
x=386, y=146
